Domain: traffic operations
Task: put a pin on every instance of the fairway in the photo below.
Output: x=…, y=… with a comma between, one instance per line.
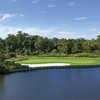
x=69, y=60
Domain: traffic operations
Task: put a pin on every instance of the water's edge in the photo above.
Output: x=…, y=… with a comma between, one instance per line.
x=56, y=67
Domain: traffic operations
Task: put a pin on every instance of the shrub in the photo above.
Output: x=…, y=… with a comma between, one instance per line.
x=11, y=55
x=84, y=55
x=97, y=52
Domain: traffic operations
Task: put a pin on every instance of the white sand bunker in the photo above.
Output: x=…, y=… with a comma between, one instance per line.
x=47, y=65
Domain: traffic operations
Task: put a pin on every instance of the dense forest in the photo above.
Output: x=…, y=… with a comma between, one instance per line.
x=25, y=44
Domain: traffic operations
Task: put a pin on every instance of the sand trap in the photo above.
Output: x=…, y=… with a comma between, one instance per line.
x=47, y=65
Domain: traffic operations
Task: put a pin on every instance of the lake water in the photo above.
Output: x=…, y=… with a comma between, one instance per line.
x=54, y=84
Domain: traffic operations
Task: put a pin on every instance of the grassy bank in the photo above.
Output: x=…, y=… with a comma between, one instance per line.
x=69, y=60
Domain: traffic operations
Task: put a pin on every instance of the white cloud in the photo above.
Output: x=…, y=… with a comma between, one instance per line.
x=35, y=1
x=71, y=3
x=80, y=18
x=6, y=16
x=5, y=30
x=93, y=29
x=21, y=15
x=67, y=33
x=14, y=0
x=51, y=6
x=75, y=35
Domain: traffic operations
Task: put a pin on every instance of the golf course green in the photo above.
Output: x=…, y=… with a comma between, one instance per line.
x=68, y=60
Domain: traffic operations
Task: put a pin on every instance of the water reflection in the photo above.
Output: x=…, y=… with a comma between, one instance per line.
x=55, y=84
x=1, y=87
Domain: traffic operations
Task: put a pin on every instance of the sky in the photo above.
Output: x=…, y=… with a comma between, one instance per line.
x=51, y=18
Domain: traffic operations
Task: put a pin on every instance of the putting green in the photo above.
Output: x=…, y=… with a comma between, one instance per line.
x=67, y=60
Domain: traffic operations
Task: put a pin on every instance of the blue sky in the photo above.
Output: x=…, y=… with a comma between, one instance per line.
x=51, y=18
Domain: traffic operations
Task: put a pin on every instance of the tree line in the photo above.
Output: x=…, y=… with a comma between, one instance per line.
x=25, y=44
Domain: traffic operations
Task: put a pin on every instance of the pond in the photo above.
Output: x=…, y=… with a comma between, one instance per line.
x=53, y=84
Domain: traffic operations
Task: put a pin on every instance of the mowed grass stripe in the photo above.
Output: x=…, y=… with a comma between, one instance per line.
x=69, y=60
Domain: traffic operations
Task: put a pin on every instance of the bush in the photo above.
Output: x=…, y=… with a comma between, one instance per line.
x=54, y=55
x=97, y=52
x=11, y=55
x=84, y=55
x=8, y=67
x=35, y=53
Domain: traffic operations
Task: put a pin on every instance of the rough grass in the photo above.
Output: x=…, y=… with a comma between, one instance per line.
x=69, y=60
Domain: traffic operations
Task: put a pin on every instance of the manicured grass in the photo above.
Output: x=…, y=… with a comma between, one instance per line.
x=69, y=60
